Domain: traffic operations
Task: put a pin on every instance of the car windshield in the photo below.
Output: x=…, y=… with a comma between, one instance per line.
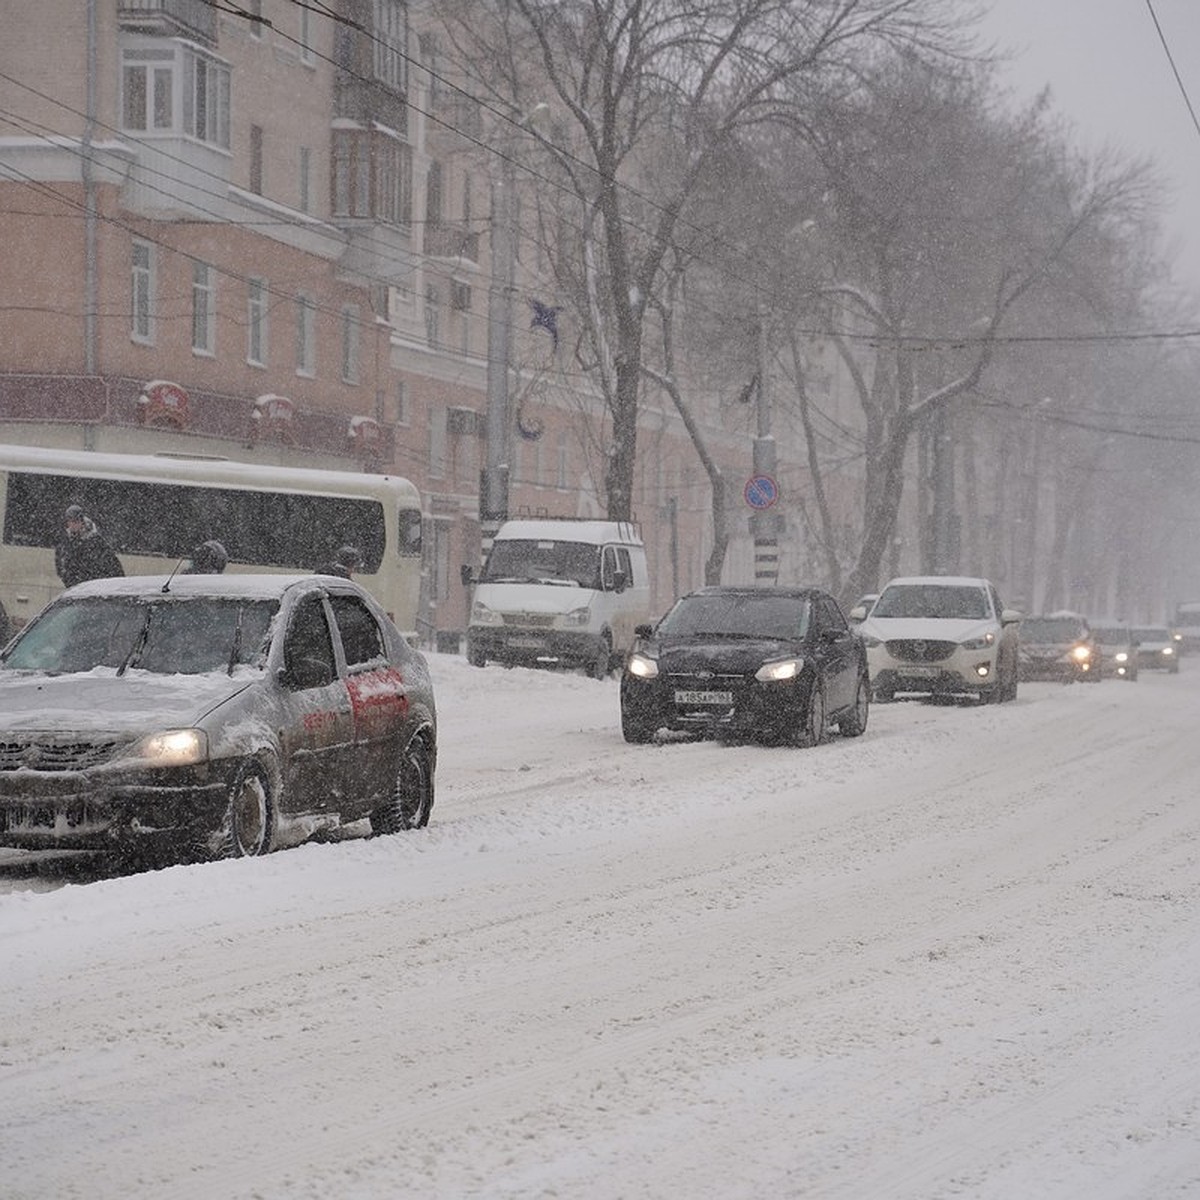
x=542, y=560
x=171, y=635
x=932, y=600
x=1051, y=629
x=1151, y=635
x=1113, y=637
x=743, y=615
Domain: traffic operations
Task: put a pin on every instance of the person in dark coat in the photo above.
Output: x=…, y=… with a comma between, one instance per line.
x=208, y=558
x=83, y=554
x=345, y=562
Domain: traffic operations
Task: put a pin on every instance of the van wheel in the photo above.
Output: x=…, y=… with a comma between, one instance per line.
x=599, y=667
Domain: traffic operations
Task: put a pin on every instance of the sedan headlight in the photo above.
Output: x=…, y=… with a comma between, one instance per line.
x=482, y=615
x=980, y=643
x=777, y=672
x=642, y=666
x=577, y=616
x=172, y=748
x=1080, y=654
x=1168, y=651
x=1121, y=656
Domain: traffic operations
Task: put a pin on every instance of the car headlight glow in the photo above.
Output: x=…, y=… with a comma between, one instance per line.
x=1121, y=656
x=1080, y=653
x=778, y=672
x=482, y=615
x=980, y=643
x=577, y=616
x=642, y=666
x=172, y=748
x=1168, y=651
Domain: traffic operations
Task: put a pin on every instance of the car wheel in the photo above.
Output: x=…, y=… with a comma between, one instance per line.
x=1010, y=688
x=882, y=695
x=636, y=730
x=854, y=723
x=411, y=799
x=475, y=656
x=249, y=822
x=599, y=667
x=814, y=728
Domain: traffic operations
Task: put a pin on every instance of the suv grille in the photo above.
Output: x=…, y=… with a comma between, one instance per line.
x=32, y=754
x=920, y=650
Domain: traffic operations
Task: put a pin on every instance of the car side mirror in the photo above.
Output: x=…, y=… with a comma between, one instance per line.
x=1010, y=616
x=467, y=574
x=857, y=613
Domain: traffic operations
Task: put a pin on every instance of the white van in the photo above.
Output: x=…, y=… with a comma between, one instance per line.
x=558, y=592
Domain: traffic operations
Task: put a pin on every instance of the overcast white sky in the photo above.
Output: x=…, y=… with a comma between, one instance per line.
x=1110, y=75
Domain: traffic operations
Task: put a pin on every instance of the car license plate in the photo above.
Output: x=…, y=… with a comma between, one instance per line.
x=527, y=643
x=703, y=697
x=919, y=673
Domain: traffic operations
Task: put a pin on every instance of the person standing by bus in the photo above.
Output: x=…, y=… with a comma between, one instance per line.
x=83, y=554
x=208, y=558
x=345, y=562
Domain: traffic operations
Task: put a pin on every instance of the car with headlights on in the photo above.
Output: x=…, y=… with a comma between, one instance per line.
x=207, y=716
x=1118, y=651
x=778, y=665
x=1157, y=650
x=1060, y=647
x=942, y=635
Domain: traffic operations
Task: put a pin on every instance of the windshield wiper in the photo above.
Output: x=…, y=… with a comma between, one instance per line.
x=139, y=643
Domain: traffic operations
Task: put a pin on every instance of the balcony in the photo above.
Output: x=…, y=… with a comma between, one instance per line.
x=196, y=19
x=452, y=241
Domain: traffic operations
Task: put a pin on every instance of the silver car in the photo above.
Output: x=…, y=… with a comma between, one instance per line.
x=942, y=635
x=211, y=716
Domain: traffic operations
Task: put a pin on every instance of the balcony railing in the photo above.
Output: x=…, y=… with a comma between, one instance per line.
x=193, y=18
x=451, y=241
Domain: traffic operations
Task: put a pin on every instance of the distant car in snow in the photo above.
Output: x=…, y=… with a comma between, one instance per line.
x=211, y=716
x=942, y=635
x=1118, y=651
x=1060, y=646
x=1157, y=650
x=769, y=664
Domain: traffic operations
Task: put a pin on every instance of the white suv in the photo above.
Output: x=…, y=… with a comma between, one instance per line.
x=942, y=635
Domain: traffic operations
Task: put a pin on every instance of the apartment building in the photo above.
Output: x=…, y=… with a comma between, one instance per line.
x=261, y=231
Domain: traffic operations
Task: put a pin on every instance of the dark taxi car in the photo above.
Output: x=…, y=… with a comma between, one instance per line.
x=769, y=664
x=211, y=716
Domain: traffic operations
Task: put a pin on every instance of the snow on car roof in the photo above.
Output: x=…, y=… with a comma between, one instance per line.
x=255, y=587
x=945, y=580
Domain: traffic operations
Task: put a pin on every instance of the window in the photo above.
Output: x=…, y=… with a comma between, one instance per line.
x=308, y=642
x=563, y=475
x=350, y=344
x=175, y=89
x=437, y=443
x=400, y=417
x=305, y=179
x=391, y=43
x=142, y=293
x=433, y=195
x=372, y=176
x=254, y=9
x=305, y=348
x=256, y=159
x=362, y=639
x=205, y=98
x=147, y=85
x=307, y=55
x=203, y=309
x=256, y=322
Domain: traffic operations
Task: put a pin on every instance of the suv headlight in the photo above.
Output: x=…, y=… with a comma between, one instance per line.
x=1080, y=653
x=578, y=616
x=482, y=615
x=171, y=748
x=778, y=672
x=642, y=666
x=980, y=643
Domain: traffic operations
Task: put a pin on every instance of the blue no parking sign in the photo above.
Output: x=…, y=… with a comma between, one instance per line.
x=761, y=491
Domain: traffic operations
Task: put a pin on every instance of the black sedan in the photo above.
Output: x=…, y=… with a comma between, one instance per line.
x=769, y=664
x=211, y=716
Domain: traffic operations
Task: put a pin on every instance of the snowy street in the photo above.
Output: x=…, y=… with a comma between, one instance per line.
x=956, y=957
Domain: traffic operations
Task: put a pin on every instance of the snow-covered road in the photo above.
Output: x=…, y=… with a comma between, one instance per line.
x=957, y=957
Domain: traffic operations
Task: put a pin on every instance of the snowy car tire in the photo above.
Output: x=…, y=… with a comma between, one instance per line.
x=814, y=728
x=249, y=823
x=600, y=666
x=854, y=723
x=411, y=799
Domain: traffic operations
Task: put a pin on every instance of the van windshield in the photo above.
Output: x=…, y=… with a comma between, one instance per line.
x=529, y=560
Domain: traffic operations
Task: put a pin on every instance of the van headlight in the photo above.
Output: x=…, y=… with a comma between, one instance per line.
x=779, y=672
x=171, y=748
x=642, y=666
x=482, y=615
x=578, y=616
